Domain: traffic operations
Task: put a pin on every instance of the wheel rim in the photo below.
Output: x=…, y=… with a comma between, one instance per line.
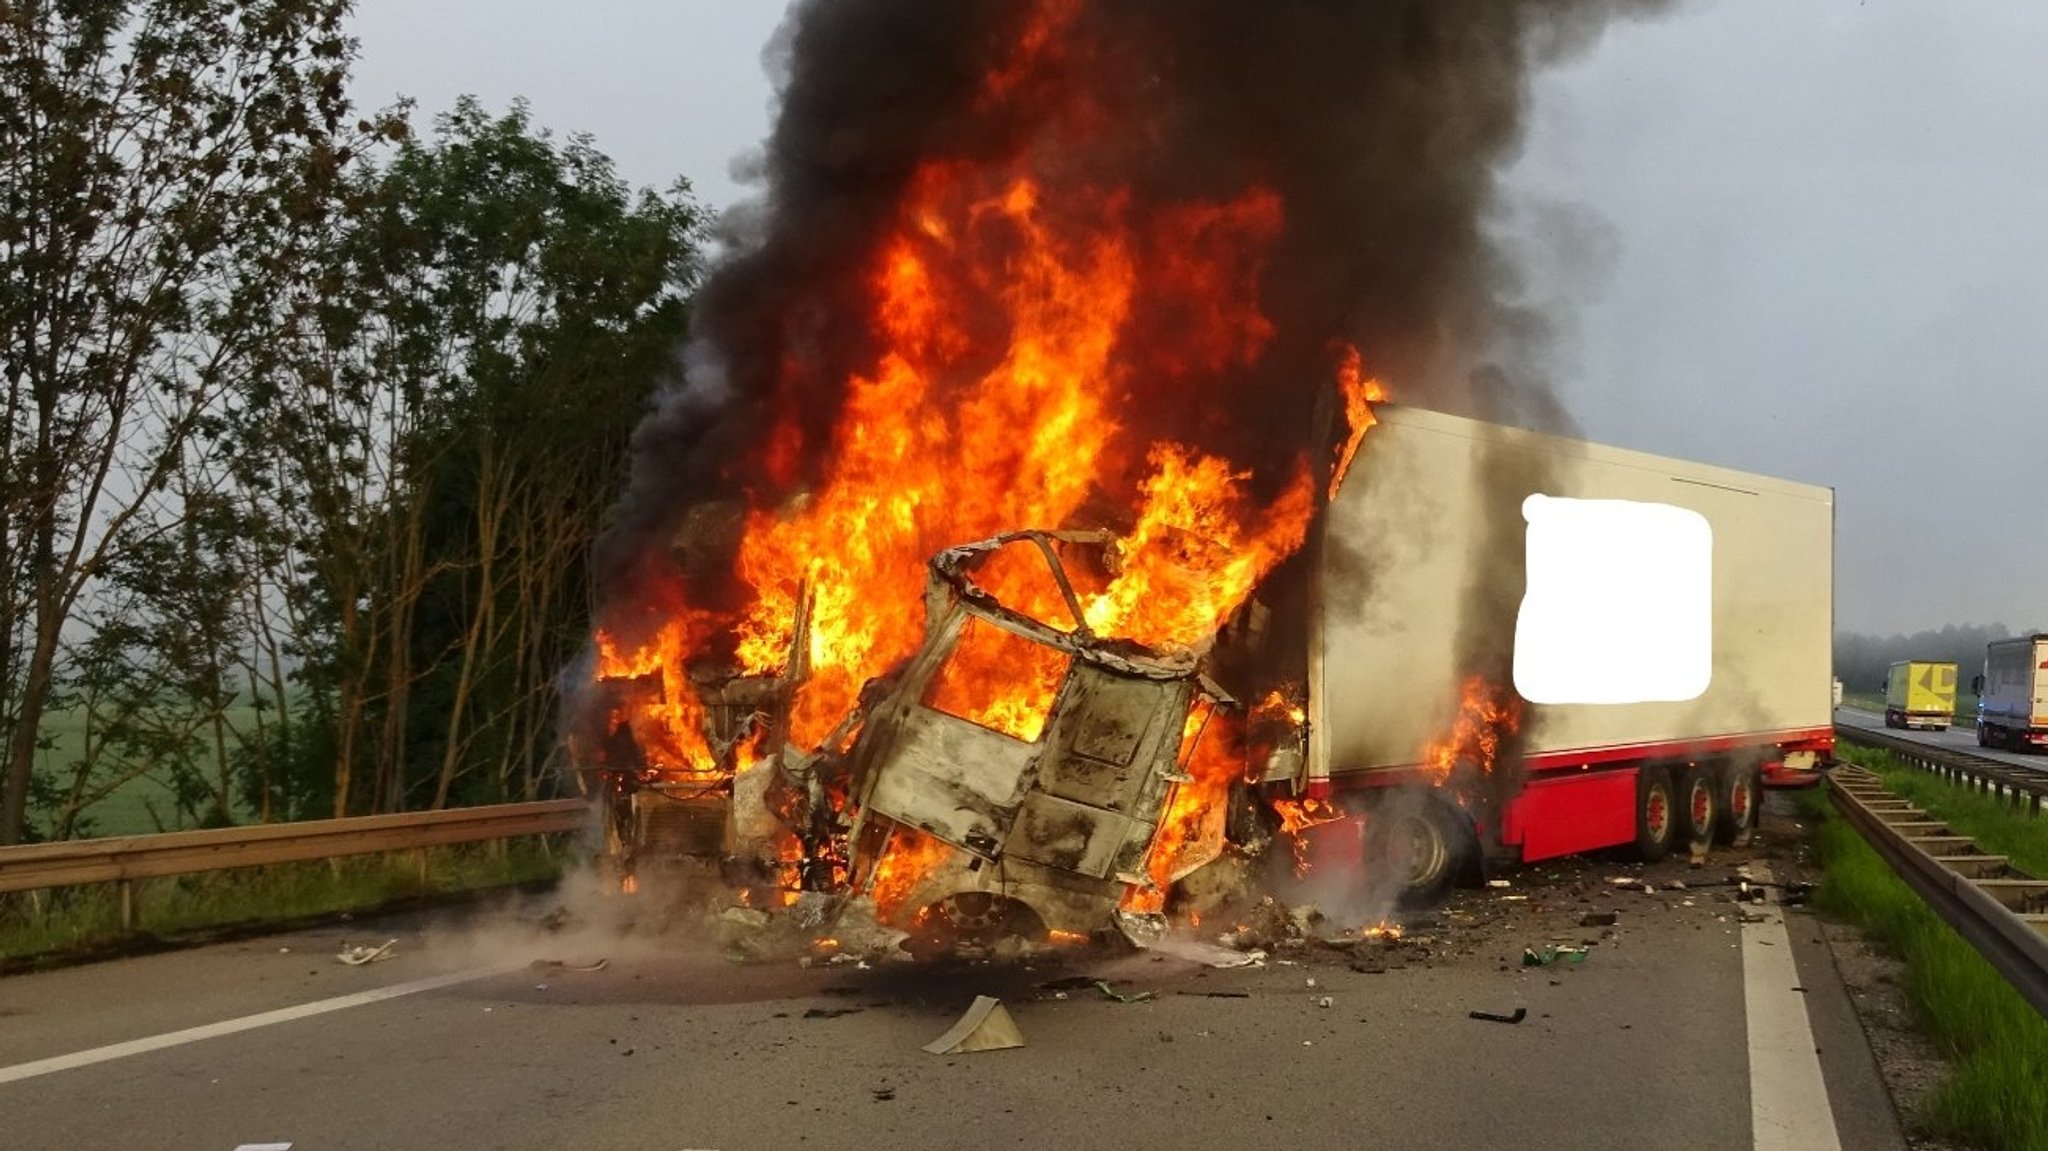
x=1738, y=802
x=1657, y=814
x=1419, y=851
x=1701, y=805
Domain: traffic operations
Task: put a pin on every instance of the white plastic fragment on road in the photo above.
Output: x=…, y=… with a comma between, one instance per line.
x=360, y=954
x=986, y=1026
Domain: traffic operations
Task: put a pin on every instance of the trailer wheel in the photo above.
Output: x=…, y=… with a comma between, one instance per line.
x=1699, y=806
x=1418, y=842
x=1656, y=814
x=1741, y=805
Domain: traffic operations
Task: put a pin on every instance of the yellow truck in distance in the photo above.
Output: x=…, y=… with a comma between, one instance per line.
x=1920, y=693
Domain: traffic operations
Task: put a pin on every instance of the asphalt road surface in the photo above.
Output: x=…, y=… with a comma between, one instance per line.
x=1693, y=1022
x=1962, y=737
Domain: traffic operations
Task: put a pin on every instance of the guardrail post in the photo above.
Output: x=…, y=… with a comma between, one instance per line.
x=419, y=859
x=125, y=893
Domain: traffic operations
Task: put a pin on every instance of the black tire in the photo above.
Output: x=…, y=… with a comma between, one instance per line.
x=1421, y=843
x=1742, y=796
x=1699, y=808
x=1656, y=814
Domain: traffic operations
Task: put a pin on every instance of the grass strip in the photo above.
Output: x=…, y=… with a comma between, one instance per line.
x=87, y=919
x=1996, y=1096
x=1995, y=824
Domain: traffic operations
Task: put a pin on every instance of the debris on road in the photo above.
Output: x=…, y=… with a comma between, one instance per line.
x=1520, y=1014
x=1552, y=954
x=361, y=954
x=1120, y=997
x=1068, y=983
x=831, y=1012
x=1598, y=919
x=986, y=1026
x=564, y=965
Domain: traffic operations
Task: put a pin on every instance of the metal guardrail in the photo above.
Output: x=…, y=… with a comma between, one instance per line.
x=2025, y=788
x=126, y=859
x=2001, y=910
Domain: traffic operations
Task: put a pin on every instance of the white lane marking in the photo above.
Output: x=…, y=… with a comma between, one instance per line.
x=230, y=1026
x=1788, y=1096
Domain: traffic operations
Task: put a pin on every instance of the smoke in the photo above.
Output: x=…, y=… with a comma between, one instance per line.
x=1378, y=130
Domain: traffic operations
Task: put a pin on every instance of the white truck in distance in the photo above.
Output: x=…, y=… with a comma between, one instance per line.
x=2012, y=701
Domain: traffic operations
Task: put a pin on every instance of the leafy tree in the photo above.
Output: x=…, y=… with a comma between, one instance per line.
x=493, y=315
x=163, y=165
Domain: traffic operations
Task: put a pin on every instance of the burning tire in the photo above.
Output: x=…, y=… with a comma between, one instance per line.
x=1699, y=808
x=1420, y=844
x=1741, y=805
x=1656, y=814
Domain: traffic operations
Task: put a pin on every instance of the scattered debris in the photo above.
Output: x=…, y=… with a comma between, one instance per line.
x=360, y=954
x=1598, y=919
x=563, y=965
x=1120, y=997
x=1218, y=994
x=1520, y=1014
x=1498, y=883
x=1068, y=983
x=1555, y=953
x=1326, y=1001
x=831, y=1012
x=884, y=1094
x=986, y=1026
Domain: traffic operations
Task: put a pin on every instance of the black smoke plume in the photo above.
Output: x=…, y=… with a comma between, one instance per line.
x=1381, y=126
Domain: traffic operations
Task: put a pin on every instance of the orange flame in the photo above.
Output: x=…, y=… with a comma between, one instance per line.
x=1487, y=714
x=1359, y=393
x=1019, y=311
x=1297, y=816
x=905, y=859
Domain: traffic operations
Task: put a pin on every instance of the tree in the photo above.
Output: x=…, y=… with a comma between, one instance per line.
x=163, y=165
x=492, y=316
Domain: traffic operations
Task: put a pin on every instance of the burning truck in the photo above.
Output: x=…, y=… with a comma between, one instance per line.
x=1022, y=773
x=1066, y=317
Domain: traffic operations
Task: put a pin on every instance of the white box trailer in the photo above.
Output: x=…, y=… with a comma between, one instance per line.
x=2012, y=704
x=1698, y=601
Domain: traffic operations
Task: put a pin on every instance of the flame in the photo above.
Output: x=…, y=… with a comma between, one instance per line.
x=1035, y=342
x=1197, y=805
x=1359, y=393
x=1297, y=816
x=1280, y=703
x=904, y=860
x=1486, y=715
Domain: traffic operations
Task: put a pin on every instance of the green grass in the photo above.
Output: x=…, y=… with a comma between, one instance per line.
x=1992, y=822
x=87, y=919
x=1996, y=1096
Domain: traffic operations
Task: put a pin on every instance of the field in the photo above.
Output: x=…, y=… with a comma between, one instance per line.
x=140, y=806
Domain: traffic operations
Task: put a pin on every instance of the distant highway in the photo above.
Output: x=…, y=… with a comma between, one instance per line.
x=1962, y=737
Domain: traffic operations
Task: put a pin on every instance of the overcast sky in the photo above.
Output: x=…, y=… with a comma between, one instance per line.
x=1808, y=239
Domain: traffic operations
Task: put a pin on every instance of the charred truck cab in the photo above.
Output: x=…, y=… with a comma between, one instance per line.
x=1050, y=815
